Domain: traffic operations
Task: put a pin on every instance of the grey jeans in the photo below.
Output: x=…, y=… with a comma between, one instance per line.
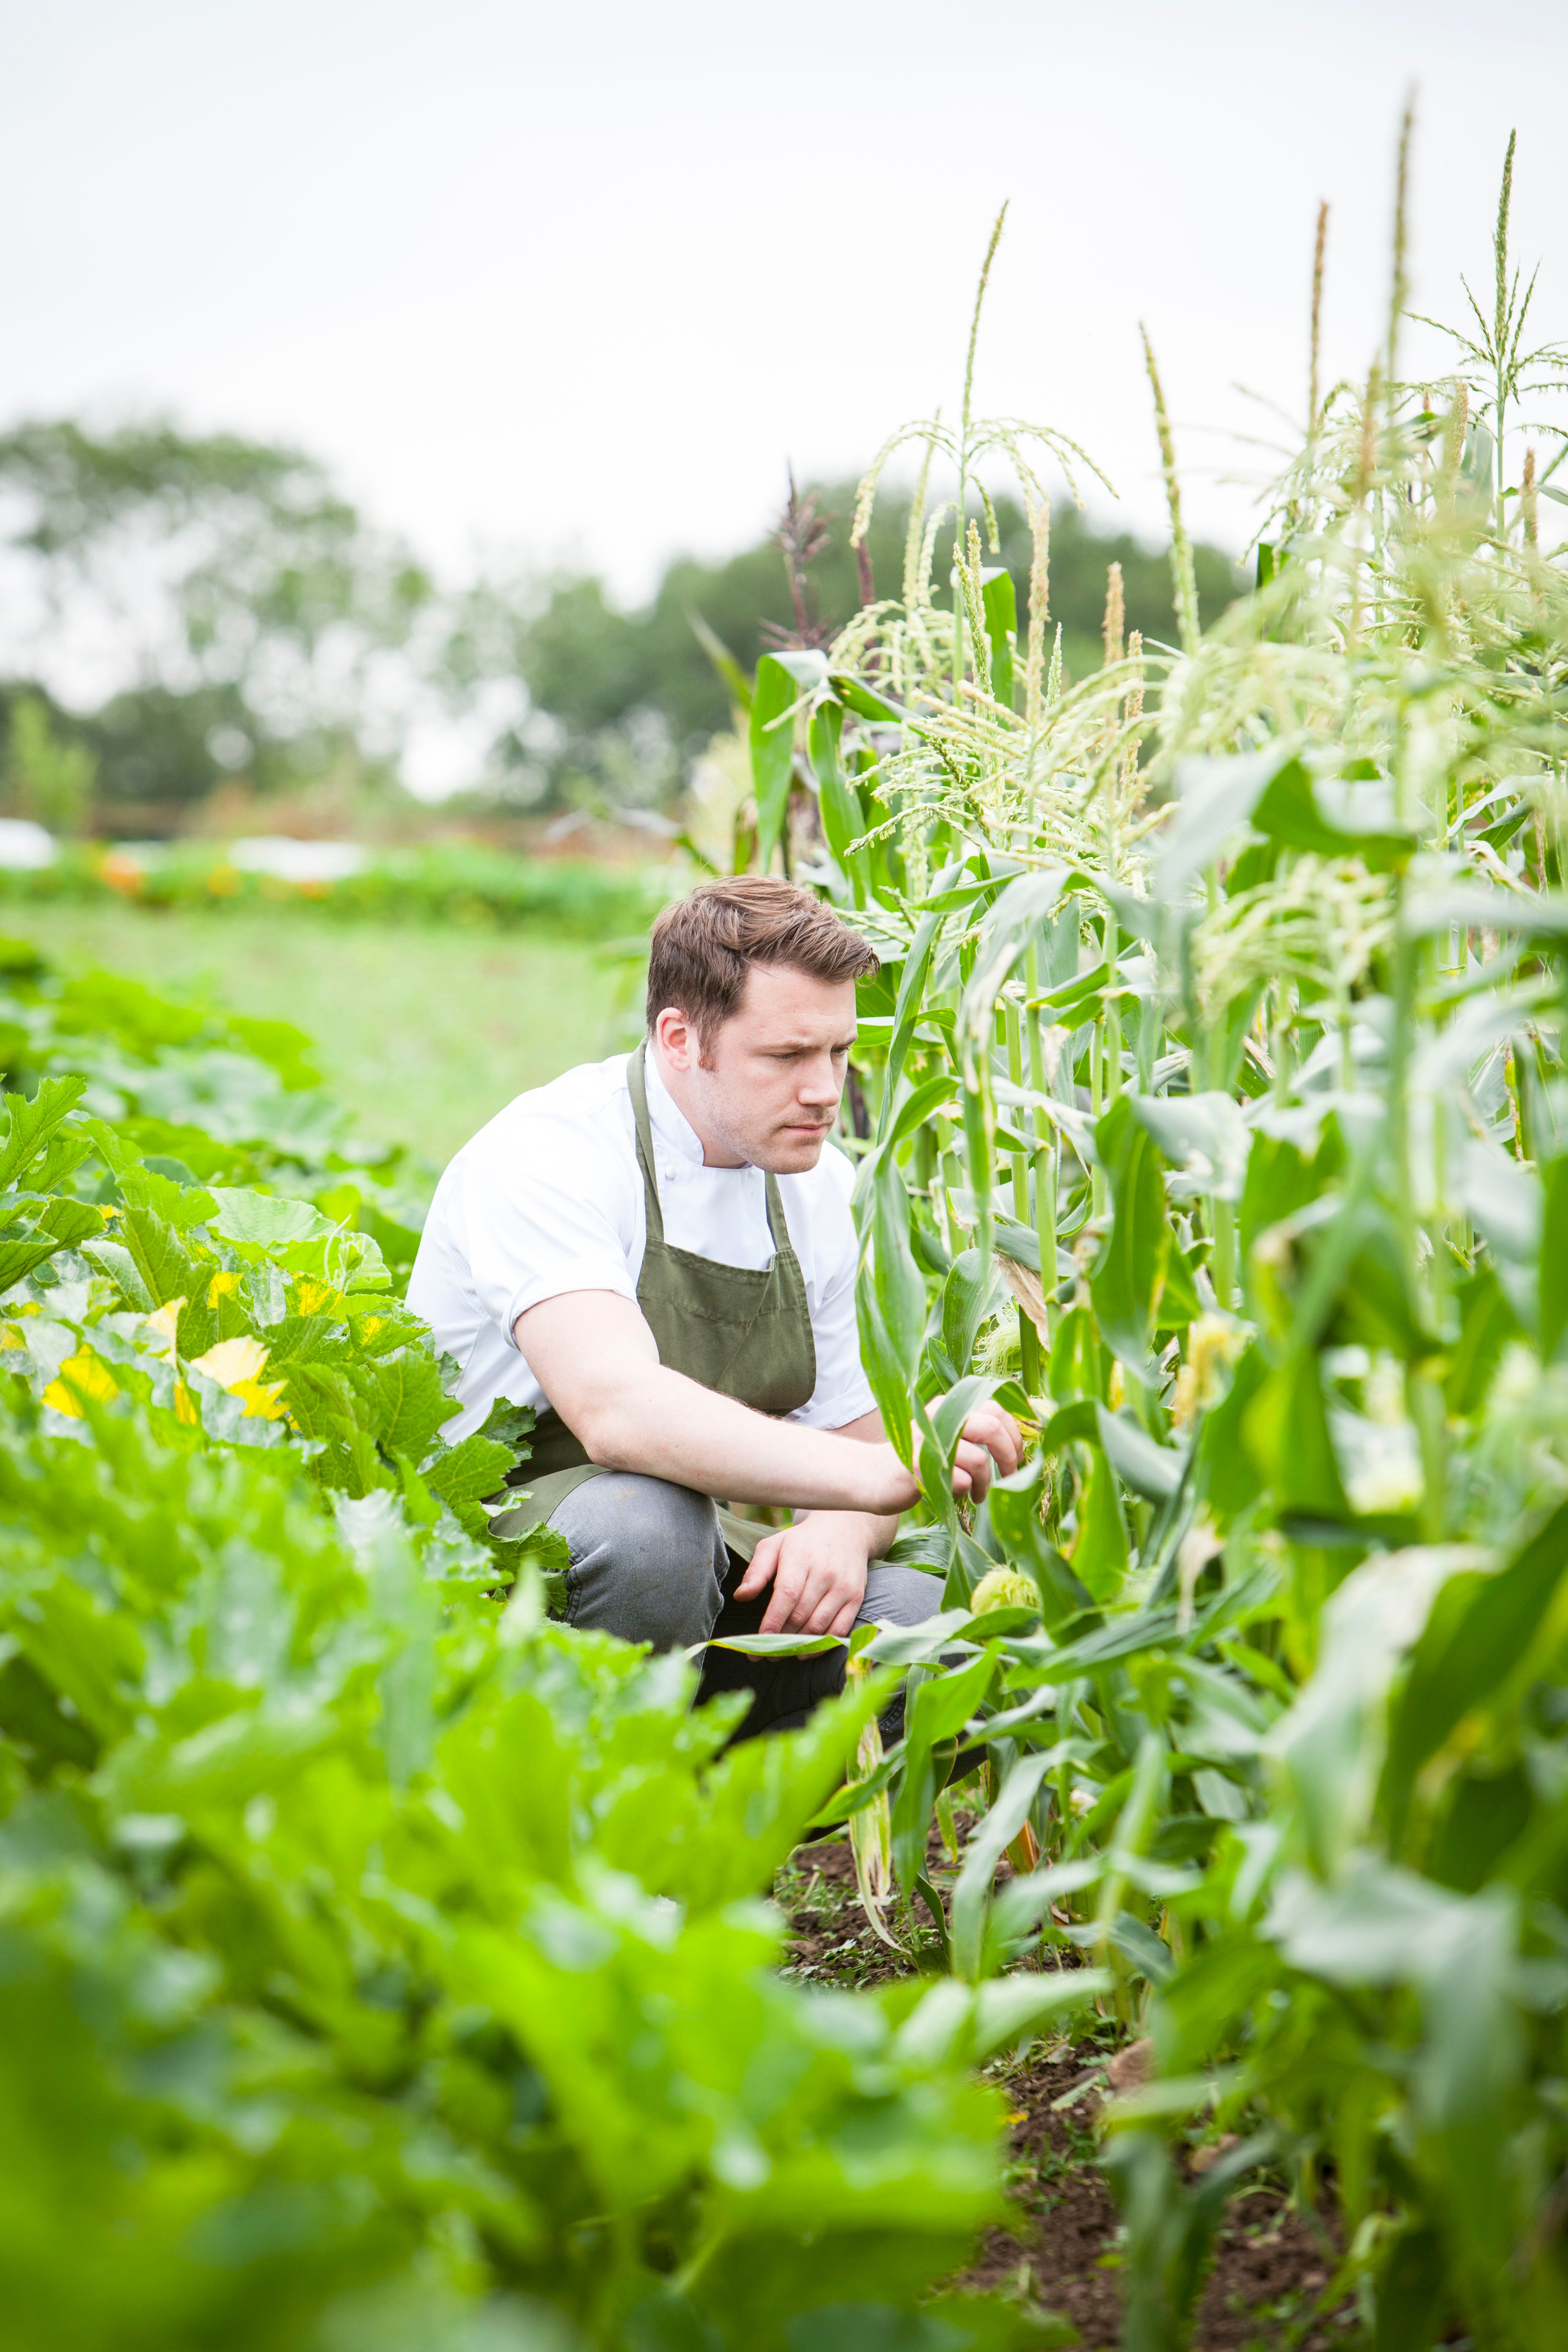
x=649, y=1562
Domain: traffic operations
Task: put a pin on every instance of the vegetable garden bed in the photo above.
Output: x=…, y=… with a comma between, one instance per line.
x=386, y=1962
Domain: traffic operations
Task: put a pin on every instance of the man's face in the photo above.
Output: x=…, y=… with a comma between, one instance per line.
x=765, y=1089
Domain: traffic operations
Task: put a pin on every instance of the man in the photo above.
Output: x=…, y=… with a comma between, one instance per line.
x=656, y=1252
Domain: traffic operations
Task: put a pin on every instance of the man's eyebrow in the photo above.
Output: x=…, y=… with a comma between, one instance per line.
x=803, y=1045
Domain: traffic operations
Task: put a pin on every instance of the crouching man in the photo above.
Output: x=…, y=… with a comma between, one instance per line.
x=656, y=1252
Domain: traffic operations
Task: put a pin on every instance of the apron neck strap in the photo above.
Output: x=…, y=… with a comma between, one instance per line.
x=637, y=1082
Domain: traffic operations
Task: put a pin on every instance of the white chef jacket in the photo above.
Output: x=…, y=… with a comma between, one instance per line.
x=548, y=1198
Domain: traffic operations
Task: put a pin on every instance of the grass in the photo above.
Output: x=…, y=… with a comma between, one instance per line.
x=425, y=1031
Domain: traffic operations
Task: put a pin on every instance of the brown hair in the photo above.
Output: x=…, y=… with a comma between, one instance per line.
x=704, y=946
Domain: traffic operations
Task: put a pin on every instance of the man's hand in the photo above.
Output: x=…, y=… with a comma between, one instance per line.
x=817, y=1569
x=990, y=1440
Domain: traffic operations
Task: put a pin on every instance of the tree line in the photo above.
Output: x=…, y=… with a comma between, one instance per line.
x=186, y=610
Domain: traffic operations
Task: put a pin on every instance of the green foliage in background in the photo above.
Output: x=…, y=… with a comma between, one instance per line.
x=1218, y=1124
x=382, y=1963
x=422, y=1030
x=47, y=780
x=461, y=883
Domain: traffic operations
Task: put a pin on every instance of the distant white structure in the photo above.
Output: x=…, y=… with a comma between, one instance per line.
x=297, y=861
x=24, y=844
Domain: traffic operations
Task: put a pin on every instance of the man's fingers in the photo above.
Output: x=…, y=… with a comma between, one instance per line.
x=782, y=1610
x=976, y=1464
x=760, y=1569
x=998, y=1431
x=843, y=1624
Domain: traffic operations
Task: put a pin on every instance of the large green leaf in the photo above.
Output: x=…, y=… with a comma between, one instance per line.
x=1464, y=1655
x=1126, y=1280
x=781, y=681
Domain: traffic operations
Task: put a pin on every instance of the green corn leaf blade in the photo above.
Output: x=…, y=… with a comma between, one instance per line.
x=972, y=1893
x=1229, y=1475
x=1139, y=1944
x=1486, y=1323
x=865, y=700
x=1214, y=799
x=1000, y=604
x=1334, y=1739
x=967, y=1298
x=1286, y=1428
x=1151, y=1470
x=773, y=1645
x=1467, y=1651
x=937, y=1713
x=1130, y=1267
x=989, y=875
x=918, y=1110
x=842, y=821
x=1014, y=1505
x=1100, y=1553
x=1178, y=1304
x=724, y=662
x=907, y=1008
x=884, y=1367
x=771, y=734
x=1203, y=1136
x=1072, y=1424
x=1324, y=815
x=1553, y=1261
x=1078, y=1368
x=897, y=1283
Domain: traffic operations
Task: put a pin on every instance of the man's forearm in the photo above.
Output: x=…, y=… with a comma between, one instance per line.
x=875, y=1530
x=664, y=1425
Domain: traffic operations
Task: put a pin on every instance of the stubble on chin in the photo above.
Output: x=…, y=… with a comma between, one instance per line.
x=796, y=1155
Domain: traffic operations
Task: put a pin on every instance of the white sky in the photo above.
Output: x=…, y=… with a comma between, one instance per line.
x=576, y=282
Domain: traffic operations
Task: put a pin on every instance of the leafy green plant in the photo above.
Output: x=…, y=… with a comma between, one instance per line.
x=384, y=1961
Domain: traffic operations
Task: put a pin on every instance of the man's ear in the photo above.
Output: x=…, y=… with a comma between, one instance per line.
x=676, y=1038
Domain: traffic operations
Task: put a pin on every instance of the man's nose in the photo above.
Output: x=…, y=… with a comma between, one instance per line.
x=820, y=1082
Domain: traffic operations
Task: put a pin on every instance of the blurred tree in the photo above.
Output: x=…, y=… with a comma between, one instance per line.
x=46, y=778
x=234, y=604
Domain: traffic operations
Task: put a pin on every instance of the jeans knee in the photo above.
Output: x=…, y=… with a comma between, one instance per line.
x=647, y=1558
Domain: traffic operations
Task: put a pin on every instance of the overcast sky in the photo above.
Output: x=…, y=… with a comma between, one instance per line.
x=575, y=281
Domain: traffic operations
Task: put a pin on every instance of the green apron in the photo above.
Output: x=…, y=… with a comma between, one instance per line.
x=744, y=1333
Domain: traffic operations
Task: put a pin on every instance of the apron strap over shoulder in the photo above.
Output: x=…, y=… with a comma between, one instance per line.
x=637, y=1083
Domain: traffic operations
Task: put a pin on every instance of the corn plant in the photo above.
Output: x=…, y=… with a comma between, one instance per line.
x=1219, y=1126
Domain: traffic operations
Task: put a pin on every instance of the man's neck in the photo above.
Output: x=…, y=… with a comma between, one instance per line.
x=677, y=1085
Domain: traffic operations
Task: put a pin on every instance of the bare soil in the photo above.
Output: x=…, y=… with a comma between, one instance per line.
x=1270, y=2285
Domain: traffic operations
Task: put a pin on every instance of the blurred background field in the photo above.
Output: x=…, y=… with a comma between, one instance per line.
x=422, y=1029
